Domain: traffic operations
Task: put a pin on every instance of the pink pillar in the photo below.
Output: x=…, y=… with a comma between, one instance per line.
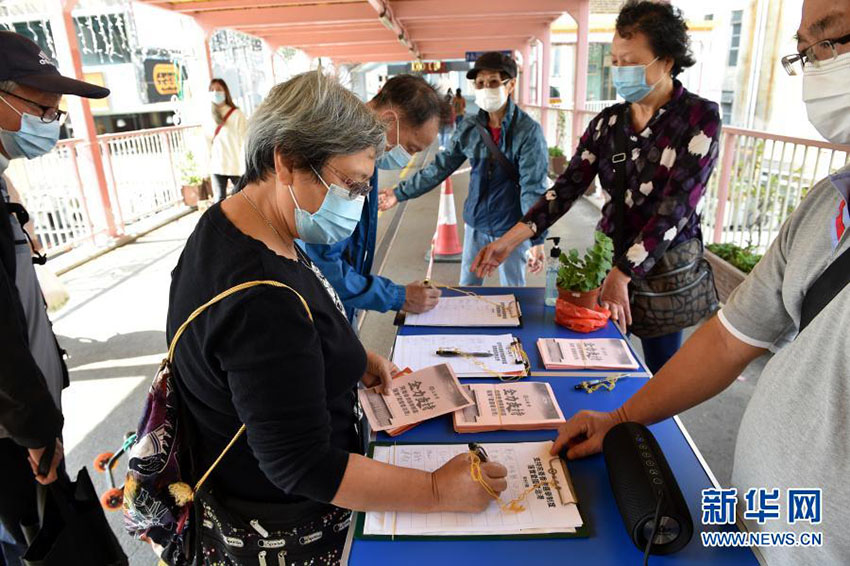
x=546, y=72
x=582, y=18
x=68, y=52
x=525, y=86
x=208, y=33
x=723, y=184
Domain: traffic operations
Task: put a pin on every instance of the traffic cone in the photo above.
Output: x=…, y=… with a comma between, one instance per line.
x=447, y=247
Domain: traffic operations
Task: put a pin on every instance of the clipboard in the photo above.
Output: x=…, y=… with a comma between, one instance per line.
x=514, y=308
x=584, y=531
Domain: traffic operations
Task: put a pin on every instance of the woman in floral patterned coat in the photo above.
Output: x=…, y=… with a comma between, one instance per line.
x=671, y=138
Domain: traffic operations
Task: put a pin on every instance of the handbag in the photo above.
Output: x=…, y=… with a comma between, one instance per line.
x=679, y=290
x=158, y=501
x=73, y=530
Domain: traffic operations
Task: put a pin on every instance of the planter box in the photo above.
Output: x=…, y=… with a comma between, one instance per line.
x=726, y=276
x=557, y=165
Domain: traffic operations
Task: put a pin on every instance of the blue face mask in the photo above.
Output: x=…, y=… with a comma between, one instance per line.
x=397, y=157
x=34, y=139
x=630, y=81
x=334, y=221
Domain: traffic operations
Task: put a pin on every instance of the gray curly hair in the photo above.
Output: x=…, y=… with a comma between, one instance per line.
x=308, y=119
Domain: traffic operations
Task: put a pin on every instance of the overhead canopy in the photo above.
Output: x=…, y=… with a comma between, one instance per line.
x=379, y=30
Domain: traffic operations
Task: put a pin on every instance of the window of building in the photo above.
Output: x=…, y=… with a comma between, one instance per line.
x=735, y=43
x=599, y=83
x=727, y=100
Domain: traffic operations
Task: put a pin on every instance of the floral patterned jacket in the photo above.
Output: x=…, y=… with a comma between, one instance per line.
x=667, y=168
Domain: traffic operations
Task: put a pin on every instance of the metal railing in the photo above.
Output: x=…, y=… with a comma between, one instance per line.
x=143, y=172
x=759, y=179
x=143, y=168
x=53, y=188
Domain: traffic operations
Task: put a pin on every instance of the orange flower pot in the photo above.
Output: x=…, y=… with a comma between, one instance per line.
x=586, y=299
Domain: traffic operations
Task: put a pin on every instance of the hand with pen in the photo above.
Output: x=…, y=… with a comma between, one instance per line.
x=455, y=489
x=420, y=297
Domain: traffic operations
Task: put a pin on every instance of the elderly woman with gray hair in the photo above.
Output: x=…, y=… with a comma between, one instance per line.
x=286, y=488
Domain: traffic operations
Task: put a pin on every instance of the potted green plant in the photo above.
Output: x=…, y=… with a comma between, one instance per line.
x=731, y=264
x=557, y=160
x=191, y=180
x=580, y=277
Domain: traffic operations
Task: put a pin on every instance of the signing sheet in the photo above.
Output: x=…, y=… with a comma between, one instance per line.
x=470, y=311
x=551, y=508
x=470, y=355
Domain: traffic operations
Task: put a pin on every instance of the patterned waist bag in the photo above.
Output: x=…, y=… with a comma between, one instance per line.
x=158, y=501
x=677, y=293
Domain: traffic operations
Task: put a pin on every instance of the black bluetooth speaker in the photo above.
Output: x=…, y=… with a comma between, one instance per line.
x=640, y=477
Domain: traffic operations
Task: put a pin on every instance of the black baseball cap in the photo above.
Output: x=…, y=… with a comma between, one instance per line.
x=493, y=61
x=23, y=62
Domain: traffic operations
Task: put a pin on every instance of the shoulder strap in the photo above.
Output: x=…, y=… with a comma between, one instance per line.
x=495, y=151
x=220, y=126
x=825, y=288
x=193, y=316
x=618, y=195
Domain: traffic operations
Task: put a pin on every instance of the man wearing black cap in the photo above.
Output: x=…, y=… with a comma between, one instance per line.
x=32, y=372
x=507, y=152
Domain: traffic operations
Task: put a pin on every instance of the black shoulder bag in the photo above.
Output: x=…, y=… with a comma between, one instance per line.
x=495, y=152
x=825, y=288
x=678, y=291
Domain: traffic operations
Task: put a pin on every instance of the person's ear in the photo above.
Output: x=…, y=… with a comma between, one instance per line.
x=510, y=86
x=283, y=169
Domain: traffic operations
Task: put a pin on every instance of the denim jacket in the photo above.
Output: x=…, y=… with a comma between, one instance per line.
x=494, y=203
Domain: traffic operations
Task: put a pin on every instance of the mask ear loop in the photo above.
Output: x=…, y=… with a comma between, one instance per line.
x=3, y=98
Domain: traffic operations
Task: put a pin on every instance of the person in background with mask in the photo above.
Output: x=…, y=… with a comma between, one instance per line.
x=411, y=110
x=795, y=429
x=260, y=360
x=666, y=140
x=227, y=139
x=506, y=180
x=32, y=370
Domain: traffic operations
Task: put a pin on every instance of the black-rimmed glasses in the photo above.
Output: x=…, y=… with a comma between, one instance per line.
x=818, y=54
x=48, y=113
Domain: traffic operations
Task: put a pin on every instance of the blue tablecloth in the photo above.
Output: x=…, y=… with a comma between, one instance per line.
x=609, y=542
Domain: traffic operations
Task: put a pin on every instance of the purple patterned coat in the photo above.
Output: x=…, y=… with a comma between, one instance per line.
x=667, y=168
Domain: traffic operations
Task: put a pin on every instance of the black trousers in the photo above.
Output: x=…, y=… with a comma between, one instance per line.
x=18, y=500
x=220, y=185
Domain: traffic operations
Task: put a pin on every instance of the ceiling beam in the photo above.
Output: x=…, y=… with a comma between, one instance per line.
x=475, y=9
x=314, y=15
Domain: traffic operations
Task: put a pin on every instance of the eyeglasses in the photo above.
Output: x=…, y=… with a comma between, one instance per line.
x=818, y=54
x=492, y=83
x=355, y=188
x=48, y=113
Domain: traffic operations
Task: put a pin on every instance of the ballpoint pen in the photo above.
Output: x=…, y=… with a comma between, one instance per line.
x=454, y=352
x=476, y=449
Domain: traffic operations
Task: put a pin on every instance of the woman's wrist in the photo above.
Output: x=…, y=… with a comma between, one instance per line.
x=519, y=233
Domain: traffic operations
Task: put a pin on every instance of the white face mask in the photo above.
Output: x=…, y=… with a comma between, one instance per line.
x=491, y=99
x=826, y=92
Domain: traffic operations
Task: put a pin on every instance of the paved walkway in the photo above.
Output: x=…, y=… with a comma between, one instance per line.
x=113, y=328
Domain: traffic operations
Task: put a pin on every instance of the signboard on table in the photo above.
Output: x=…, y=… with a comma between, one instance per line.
x=471, y=56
